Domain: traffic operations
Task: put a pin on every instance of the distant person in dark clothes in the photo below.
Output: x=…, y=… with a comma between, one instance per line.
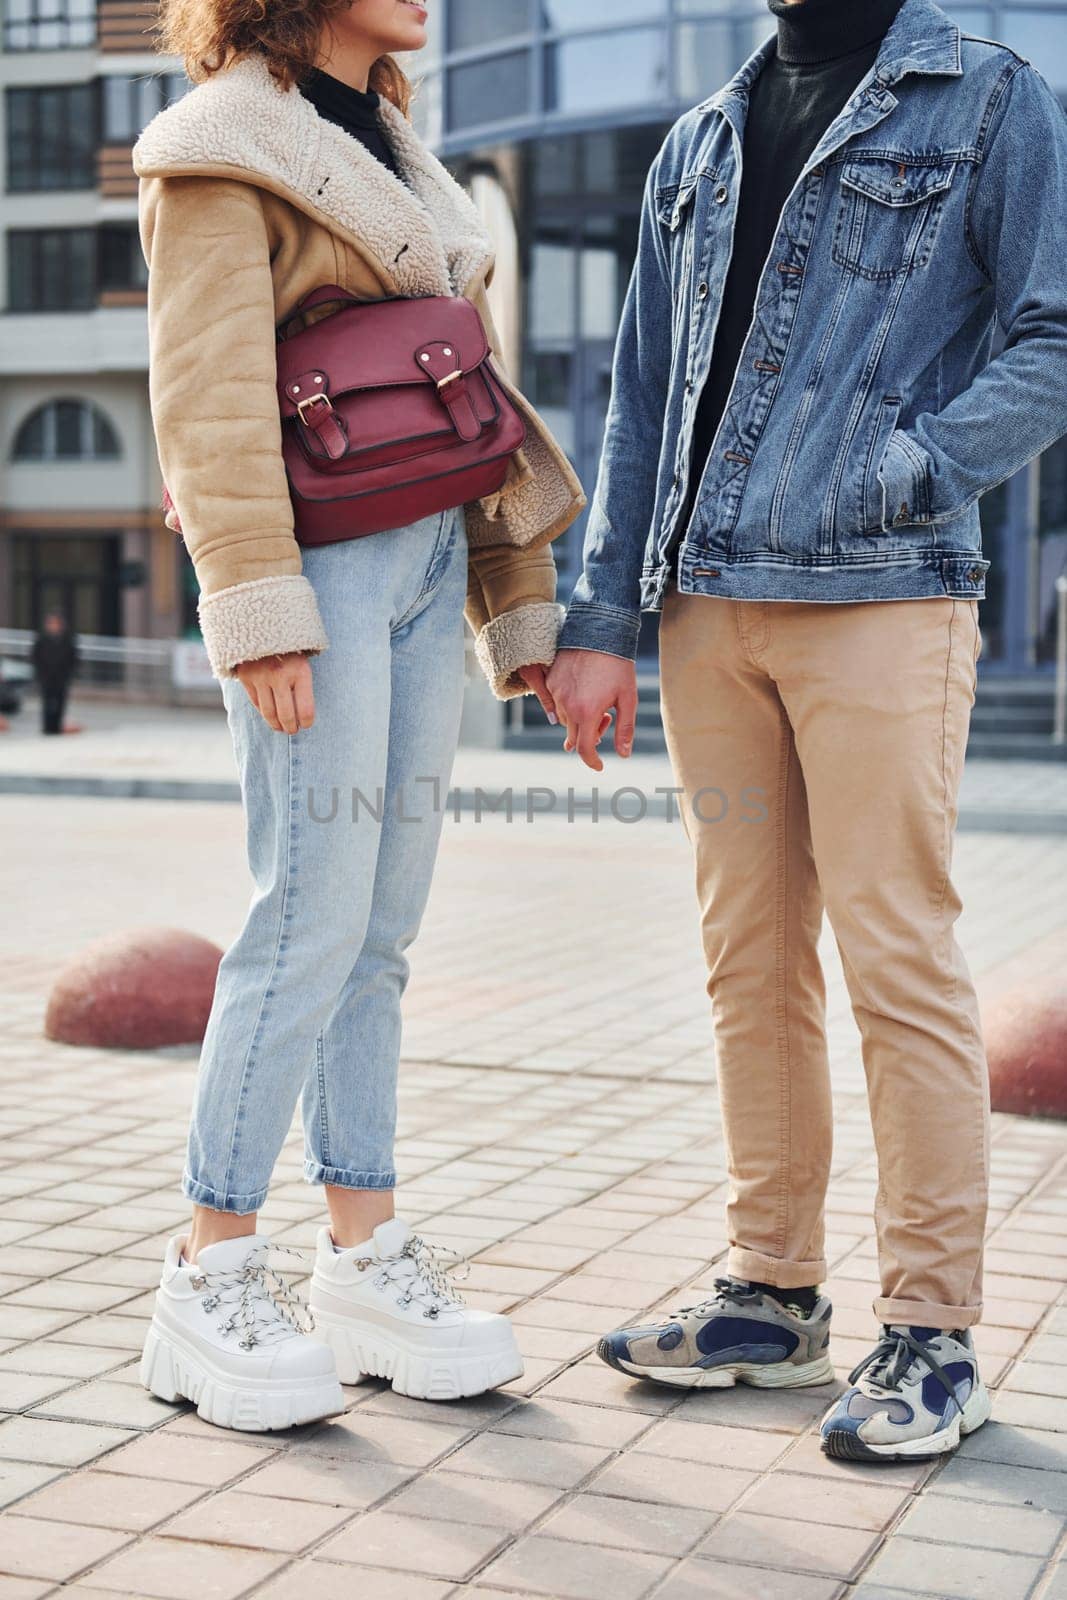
x=55, y=660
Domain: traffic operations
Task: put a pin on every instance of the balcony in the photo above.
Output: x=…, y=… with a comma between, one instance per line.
x=125, y=26
x=116, y=179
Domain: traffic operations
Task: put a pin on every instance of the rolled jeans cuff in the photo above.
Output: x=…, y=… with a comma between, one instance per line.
x=201, y=1194
x=925, y=1314
x=757, y=1268
x=342, y=1178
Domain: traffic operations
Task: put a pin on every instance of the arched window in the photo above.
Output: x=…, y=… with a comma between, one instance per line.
x=66, y=430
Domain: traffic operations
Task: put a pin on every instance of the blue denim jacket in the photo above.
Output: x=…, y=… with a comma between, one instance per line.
x=866, y=417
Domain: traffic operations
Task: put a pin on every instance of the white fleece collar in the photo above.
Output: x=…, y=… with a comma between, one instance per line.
x=428, y=238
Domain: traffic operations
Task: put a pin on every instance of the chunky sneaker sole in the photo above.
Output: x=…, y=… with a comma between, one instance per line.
x=364, y=1349
x=776, y=1375
x=174, y=1368
x=844, y=1445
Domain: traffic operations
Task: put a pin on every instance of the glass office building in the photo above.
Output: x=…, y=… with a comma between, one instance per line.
x=552, y=111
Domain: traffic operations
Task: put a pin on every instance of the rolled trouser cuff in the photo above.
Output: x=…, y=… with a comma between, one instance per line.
x=346, y=1178
x=202, y=1194
x=926, y=1314
x=758, y=1268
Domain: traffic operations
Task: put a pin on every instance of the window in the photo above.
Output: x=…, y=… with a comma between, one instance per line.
x=66, y=430
x=49, y=24
x=51, y=137
x=129, y=103
x=496, y=90
x=603, y=70
x=472, y=24
x=122, y=264
x=51, y=269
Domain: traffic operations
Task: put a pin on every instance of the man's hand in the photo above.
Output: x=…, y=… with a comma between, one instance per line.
x=280, y=689
x=586, y=685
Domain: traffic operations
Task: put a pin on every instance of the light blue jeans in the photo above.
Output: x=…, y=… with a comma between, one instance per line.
x=343, y=822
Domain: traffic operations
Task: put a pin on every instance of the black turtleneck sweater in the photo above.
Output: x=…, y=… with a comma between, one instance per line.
x=354, y=110
x=824, y=48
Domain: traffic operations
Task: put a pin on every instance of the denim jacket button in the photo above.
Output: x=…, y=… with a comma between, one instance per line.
x=721, y=193
x=702, y=291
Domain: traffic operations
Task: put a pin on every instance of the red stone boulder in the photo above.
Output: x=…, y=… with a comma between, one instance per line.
x=1026, y=1041
x=135, y=990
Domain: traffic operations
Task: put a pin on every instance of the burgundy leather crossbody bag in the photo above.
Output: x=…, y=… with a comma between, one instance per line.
x=391, y=410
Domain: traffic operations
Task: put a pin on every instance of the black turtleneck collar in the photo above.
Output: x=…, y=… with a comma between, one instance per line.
x=810, y=31
x=339, y=101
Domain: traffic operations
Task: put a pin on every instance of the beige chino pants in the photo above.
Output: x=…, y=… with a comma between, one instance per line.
x=829, y=743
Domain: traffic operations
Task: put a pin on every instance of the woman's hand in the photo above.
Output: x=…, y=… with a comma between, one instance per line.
x=535, y=679
x=280, y=689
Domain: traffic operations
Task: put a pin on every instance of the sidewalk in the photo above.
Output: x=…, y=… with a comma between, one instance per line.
x=165, y=753
x=559, y=1124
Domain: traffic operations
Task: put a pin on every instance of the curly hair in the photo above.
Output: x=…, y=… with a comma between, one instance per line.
x=210, y=35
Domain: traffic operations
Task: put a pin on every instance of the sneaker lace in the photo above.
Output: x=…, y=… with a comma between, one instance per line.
x=728, y=1291
x=427, y=1274
x=893, y=1357
x=262, y=1305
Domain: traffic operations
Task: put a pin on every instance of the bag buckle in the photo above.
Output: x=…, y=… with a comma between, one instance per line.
x=450, y=378
x=313, y=400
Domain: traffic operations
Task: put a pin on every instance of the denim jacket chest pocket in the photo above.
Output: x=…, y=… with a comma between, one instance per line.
x=675, y=205
x=888, y=210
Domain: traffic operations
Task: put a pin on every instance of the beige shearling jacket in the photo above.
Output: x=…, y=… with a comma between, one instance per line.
x=248, y=200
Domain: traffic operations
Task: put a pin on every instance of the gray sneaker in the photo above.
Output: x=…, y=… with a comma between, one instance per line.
x=739, y=1335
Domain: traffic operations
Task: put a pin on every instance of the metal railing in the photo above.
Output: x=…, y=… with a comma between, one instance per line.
x=160, y=669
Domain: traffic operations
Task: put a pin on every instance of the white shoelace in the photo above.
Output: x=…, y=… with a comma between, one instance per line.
x=425, y=1273
x=263, y=1306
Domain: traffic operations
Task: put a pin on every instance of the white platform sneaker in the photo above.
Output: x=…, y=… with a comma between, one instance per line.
x=387, y=1310
x=225, y=1335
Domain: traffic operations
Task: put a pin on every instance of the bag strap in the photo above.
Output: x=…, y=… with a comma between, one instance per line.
x=319, y=296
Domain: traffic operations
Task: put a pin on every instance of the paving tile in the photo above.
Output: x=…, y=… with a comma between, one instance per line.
x=59, y=1360
x=259, y=1522
x=1039, y=1411
x=702, y=1488
x=828, y=1502
x=576, y=1424
x=592, y=1383
x=30, y=1548
x=358, y=1436
x=953, y=1572
x=806, y=1455
x=1038, y=1377
x=661, y=1530
x=792, y=1545
x=1015, y=1446
x=106, y=1500
x=681, y=1440
x=21, y=1390
x=179, y=1460
x=59, y=1444
x=103, y=1401
x=18, y=1479
x=487, y=1502
x=323, y=1481
x=714, y=1580
x=1057, y=1588
x=1020, y=1529
x=998, y=1483
x=165, y=1569
x=561, y=1568
x=306, y=1578
x=437, y=1549
x=25, y=1588
x=545, y=1461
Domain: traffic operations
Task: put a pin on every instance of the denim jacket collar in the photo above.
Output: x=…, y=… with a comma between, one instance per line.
x=920, y=38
